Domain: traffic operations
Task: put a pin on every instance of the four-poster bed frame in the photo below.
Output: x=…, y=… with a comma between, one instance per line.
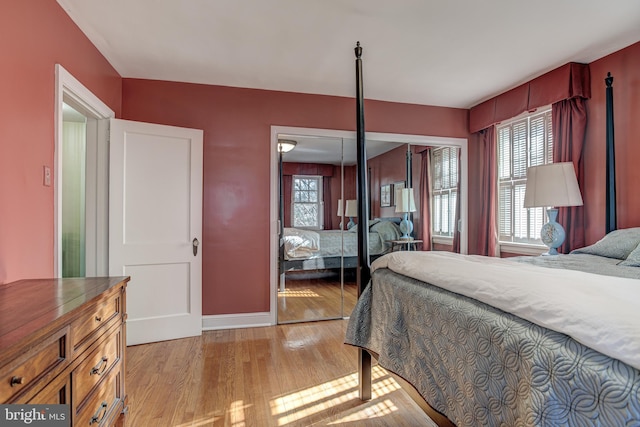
x=364, y=267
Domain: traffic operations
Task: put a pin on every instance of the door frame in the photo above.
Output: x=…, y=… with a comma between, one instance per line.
x=69, y=89
x=274, y=230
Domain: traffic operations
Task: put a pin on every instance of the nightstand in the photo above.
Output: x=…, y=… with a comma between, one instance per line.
x=404, y=245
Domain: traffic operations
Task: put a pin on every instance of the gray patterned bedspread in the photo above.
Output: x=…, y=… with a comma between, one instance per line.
x=480, y=366
x=583, y=262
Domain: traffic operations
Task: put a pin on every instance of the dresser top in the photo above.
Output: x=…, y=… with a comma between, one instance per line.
x=27, y=306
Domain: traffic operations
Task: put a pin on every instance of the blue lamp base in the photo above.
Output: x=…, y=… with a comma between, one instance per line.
x=552, y=233
x=350, y=223
x=406, y=226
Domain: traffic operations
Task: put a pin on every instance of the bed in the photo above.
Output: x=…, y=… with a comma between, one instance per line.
x=483, y=344
x=328, y=249
x=483, y=341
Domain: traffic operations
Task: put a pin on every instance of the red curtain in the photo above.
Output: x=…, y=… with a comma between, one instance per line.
x=326, y=196
x=569, y=127
x=287, y=184
x=425, y=197
x=456, y=221
x=487, y=233
x=572, y=80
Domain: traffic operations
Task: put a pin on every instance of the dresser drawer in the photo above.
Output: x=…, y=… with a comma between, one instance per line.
x=96, y=366
x=45, y=360
x=99, y=315
x=56, y=392
x=101, y=407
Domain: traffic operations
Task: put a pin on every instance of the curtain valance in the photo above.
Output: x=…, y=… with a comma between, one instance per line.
x=572, y=80
x=307, y=169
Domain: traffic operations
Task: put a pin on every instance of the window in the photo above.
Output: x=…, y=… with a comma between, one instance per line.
x=444, y=190
x=521, y=143
x=306, y=205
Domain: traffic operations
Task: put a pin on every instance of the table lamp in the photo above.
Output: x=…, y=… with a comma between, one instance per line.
x=552, y=185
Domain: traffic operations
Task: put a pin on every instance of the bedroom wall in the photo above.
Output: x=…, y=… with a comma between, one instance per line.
x=236, y=124
x=35, y=36
x=385, y=169
x=624, y=66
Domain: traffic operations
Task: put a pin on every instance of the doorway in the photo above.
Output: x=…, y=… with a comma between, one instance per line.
x=338, y=278
x=73, y=171
x=81, y=210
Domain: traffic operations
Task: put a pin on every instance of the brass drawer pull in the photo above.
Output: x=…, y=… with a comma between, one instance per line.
x=96, y=418
x=100, y=367
x=16, y=381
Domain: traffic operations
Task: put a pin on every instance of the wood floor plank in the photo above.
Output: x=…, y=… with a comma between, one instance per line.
x=316, y=295
x=287, y=375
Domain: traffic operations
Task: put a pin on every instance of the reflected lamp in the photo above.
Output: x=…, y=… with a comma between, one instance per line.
x=351, y=210
x=405, y=204
x=286, y=145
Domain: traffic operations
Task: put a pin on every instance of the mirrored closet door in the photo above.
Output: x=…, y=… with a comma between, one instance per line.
x=318, y=212
x=311, y=279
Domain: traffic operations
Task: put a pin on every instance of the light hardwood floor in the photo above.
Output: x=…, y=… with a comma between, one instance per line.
x=287, y=375
x=316, y=295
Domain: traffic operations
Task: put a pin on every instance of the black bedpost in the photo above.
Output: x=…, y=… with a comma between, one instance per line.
x=409, y=177
x=611, y=161
x=363, y=272
x=281, y=222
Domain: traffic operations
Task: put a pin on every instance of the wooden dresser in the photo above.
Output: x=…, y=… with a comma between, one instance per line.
x=63, y=341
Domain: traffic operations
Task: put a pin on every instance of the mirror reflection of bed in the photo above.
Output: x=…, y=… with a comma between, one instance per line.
x=318, y=183
x=318, y=250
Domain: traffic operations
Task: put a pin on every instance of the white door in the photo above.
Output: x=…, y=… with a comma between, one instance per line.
x=155, y=217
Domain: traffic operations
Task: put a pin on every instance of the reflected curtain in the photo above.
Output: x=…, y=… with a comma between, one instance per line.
x=326, y=197
x=425, y=199
x=287, y=183
x=456, y=221
x=487, y=230
x=569, y=127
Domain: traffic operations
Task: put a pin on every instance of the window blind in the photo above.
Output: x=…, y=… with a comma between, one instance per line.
x=526, y=141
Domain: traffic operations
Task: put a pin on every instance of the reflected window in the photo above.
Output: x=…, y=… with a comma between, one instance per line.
x=306, y=203
x=444, y=170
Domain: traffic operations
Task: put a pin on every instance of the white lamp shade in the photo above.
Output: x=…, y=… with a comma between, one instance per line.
x=339, y=207
x=352, y=209
x=405, y=201
x=552, y=185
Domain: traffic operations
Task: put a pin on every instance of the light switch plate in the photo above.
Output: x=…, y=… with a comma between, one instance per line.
x=46, y=176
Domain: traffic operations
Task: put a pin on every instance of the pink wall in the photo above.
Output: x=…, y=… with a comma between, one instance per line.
x=386, y=168
x=236, y=124
x=35, y=36
x=624, y=66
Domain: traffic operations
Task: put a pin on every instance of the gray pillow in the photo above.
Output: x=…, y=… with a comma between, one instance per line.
x=633, y=260
x=618, y=244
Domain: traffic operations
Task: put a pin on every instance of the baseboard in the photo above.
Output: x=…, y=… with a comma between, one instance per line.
x=236, y=321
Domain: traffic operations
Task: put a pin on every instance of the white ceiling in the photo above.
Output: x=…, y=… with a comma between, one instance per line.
x=453, y=53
